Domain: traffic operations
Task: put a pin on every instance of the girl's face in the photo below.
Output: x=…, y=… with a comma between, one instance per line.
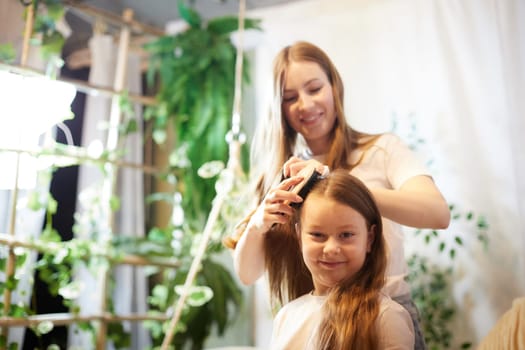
x=308, y=104
x=334, y=241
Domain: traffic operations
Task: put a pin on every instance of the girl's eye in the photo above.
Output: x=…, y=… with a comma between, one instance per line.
x=288, y=99
x=346, y=235
x=316, y=235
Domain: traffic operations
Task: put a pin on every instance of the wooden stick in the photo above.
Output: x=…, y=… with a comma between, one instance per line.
x=135, y=26
x=66, y=318
x=42, y=152
x=128, y=259
x=28, y=32
x=194, y=268
x=81, y=85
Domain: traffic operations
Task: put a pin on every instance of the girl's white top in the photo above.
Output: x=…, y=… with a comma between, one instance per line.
x=296, y=325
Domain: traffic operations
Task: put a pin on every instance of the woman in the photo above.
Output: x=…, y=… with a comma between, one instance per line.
x=339, y=232
x=308, y=126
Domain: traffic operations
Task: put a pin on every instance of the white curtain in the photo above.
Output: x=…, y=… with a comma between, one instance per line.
x=29, y=223
x=455, y=71
x=130, y=292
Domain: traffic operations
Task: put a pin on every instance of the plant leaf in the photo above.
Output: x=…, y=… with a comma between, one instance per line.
x=228, y=24
x=189, y=15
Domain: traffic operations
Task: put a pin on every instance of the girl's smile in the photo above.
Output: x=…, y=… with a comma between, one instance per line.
x=335, y=240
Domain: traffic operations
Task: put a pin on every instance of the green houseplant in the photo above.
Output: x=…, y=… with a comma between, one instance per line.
x=195, y=85
x=195, y=97
x=196, y=71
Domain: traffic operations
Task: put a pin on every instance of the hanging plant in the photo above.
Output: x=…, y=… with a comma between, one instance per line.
x=45, y=33
x=196, y=72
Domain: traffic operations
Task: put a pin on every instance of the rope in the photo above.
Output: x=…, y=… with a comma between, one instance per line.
x=234, y=138
x=236, y=118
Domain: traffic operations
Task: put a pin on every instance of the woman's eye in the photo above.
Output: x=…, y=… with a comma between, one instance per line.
x=288, y=99
x=315, y=90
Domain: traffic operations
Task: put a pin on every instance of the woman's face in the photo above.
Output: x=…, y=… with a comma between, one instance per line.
x=334, y=241
x=308, y=104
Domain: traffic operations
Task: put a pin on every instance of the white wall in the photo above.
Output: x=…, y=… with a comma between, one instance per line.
x=453, y=68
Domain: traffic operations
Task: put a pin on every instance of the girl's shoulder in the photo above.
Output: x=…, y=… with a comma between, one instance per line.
x=302, y=309
x=307, y=299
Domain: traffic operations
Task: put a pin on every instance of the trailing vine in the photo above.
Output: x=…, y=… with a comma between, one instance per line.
x=431, y=283
x=45, y=32
x=194, y=73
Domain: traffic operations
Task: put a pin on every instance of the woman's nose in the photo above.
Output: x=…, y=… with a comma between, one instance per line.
x=305, y=102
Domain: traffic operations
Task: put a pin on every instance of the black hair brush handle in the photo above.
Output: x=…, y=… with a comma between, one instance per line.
x=311, y=175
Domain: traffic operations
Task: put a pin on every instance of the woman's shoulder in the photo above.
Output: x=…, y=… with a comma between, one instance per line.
x=395, y=323
x=390, y=309
x=387, y=138
x=383, y=144
x=385, y=141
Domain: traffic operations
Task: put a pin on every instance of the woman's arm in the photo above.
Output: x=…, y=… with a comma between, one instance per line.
x=249, y=256
x=417, y=203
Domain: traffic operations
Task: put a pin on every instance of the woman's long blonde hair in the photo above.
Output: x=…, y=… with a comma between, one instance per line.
x=352, y=307
x=275, y=141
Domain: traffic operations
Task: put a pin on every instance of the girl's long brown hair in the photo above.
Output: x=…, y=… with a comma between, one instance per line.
x=280, y=137
x=352, y=307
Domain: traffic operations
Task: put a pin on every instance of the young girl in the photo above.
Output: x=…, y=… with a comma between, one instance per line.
x=339, y=232
x=308, y=126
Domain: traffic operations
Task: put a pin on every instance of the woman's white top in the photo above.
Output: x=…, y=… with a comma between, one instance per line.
x=296, y=324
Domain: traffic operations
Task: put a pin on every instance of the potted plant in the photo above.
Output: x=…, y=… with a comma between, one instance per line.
x=195, y=72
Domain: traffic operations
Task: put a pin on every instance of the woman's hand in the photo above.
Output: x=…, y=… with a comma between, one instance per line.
x=248, y=257
x=275, y=206
x=295, y=164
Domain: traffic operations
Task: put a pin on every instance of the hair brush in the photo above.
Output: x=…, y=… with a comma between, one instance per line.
x=310, y=176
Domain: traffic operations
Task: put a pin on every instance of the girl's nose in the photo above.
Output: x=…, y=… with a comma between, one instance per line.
x=332, y=247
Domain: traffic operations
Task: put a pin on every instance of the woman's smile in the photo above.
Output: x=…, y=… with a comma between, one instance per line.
x=308, y=104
